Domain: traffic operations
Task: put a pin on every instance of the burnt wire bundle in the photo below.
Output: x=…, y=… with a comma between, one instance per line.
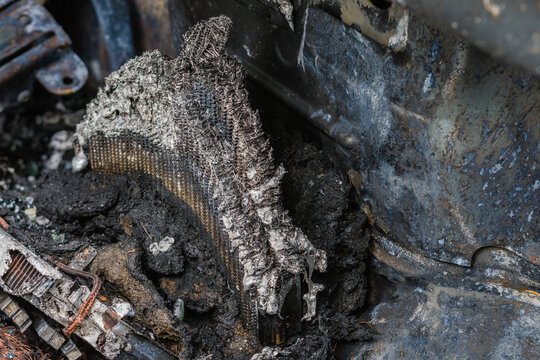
x=187, y=124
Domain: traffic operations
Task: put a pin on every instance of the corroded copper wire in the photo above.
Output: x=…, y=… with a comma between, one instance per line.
x=4, y=224
x=87, y=304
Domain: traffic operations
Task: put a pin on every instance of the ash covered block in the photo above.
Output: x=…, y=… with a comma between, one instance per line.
x=186, y=126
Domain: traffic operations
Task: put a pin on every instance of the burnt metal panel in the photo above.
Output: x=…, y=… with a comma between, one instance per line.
x=114, y=23
x=441, y=140
x=509, y=29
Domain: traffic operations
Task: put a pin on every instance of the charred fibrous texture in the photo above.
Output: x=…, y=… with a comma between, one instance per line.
x=186, y=123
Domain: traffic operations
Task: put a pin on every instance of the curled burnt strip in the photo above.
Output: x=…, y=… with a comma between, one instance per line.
x=186, y=123
x=87, y=304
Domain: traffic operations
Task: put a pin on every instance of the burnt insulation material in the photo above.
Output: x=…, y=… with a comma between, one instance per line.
x=186, y=123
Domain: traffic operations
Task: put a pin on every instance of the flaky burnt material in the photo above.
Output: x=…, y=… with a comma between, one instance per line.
x=186, y=122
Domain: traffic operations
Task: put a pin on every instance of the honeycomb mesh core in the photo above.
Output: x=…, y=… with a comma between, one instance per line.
x=134, y=155
x=187, y=124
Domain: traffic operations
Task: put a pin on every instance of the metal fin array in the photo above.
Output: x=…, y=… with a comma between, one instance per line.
x=133, y=154
x=22, y=277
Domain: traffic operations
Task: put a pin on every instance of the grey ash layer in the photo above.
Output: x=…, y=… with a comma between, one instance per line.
x=196, y=106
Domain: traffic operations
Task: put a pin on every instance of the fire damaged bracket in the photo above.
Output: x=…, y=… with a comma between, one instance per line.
x=388, y=26
x=31, y=39
x=24, y=274
x=495, y=271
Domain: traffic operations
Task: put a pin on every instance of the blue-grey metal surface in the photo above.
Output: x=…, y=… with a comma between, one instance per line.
x=441, y=139
x=419, y=320
x=509, y=29
x=115, y=26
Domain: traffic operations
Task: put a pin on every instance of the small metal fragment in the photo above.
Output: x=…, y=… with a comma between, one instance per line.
x=48, y=334
x=81, y=260
x=166, y=244
x=4, y=224
x=179, y=309
x=31, y=213
x=163, y=246
x=79, y=162
x=14, y=311
x=42, y=221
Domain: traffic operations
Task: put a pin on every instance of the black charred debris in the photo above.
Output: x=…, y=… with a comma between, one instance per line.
x=152, y=258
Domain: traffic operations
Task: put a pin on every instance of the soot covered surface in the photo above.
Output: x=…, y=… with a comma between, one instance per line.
x=156, y=254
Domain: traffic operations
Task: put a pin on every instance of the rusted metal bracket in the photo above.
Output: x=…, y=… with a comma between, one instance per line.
x=14, y=311
x=32, y=43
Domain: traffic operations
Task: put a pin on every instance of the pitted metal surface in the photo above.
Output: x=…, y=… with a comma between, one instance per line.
x=441, y=139
x=426, y=321
x=507, y=29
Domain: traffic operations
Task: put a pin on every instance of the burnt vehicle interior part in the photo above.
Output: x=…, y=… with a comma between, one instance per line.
x=221, y=170
x=26, y=275
x=262, y=179
x=34, y=47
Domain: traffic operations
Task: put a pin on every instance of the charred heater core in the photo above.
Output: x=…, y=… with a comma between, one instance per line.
x=177, y=183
